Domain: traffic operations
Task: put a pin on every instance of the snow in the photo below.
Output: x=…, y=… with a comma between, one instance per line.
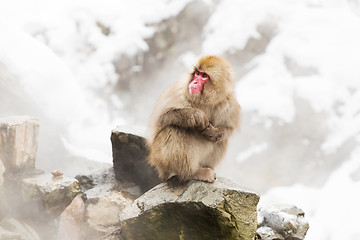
x=252, y=150
x=61, y=53
x=55, y=90
x=322, y=37
x=26, y=57
x=68, y=28
x=332, y=210
x=325, y=37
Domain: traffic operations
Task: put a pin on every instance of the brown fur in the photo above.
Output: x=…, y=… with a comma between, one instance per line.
x=189, y=133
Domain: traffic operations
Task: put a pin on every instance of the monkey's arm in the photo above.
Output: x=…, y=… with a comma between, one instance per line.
x=185, y=118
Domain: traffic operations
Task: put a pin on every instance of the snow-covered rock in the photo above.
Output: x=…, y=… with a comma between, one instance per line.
x=281, y=222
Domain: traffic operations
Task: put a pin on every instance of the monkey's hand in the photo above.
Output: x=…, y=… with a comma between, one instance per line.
x=199, y=119
x=185, y=117
x=213, y=134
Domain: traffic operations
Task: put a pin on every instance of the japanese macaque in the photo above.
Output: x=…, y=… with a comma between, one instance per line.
x=192, y=122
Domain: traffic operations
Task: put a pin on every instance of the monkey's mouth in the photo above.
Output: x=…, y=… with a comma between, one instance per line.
x=195, y=91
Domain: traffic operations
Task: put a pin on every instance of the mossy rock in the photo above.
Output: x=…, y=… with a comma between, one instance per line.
x=194, y=210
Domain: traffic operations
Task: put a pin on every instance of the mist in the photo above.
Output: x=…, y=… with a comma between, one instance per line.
x=85, y=68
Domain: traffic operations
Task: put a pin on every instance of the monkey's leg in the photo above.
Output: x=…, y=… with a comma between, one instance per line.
x=187, y=167
x=214, y=155
x=205, y=174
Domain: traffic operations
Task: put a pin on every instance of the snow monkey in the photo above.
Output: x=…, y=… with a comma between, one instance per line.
x=192, y=122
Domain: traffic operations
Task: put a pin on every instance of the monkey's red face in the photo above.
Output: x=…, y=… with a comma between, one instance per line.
x=197, y=83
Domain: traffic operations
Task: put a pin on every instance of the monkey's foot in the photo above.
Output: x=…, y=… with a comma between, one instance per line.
x=163, y=175
x=205, y=174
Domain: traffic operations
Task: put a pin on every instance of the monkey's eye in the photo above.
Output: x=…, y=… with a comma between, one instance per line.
x=197, y=72
x=204, y=75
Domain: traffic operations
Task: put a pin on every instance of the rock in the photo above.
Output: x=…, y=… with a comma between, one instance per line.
x=53, y=193
x=103, y=179
x=268, y=234
x=30, y=195
x=102, y=214
x=3, y=205
x=18, y=142
x=194, y=210
x=100, y=182
x=57, y=173
x=11, y=229
x=285, y=220
x=85, y=182
x=130, y=163
x=71, y=219
x=2, y=170
x=105, y=199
